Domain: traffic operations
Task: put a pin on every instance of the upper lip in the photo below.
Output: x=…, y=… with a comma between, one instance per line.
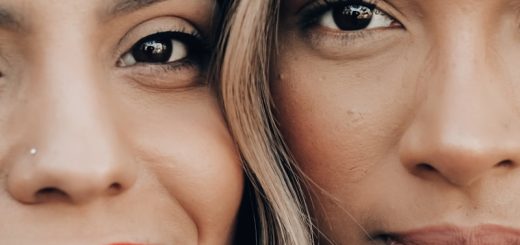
x=483, y=234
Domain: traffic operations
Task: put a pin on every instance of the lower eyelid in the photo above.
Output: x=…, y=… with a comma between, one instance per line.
x=166, y=77
x=337, y=45
x=184, y=65
x=318, y=35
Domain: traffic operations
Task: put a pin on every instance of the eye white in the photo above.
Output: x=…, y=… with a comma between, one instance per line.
x=127, y=60
x=379, y=20
x=179, y=51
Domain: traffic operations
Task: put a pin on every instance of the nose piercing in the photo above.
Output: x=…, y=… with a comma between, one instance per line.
x=33, y=151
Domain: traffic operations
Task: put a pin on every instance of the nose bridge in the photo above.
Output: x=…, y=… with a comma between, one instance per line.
x=467, y=92
x=76, y=152
x=71, y=91
x=461, y=45
x=465, y=126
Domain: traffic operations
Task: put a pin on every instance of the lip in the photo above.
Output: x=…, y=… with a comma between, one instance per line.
x=479, y=235
x=127, y=243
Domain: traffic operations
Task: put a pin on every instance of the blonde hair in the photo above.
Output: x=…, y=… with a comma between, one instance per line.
x=247, y=42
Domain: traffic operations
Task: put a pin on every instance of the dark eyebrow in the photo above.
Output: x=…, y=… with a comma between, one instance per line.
x=120, y=7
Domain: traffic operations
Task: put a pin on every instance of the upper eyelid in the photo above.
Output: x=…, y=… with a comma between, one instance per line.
x=389, y=8
x=136, y=39
x=121, y=7
x=132, y=37
x=129, y=39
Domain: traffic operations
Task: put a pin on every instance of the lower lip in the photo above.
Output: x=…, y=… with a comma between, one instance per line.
x=486, y=234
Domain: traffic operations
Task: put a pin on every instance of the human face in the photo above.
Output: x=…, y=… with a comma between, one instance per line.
x=110, y=133
x=405, y=115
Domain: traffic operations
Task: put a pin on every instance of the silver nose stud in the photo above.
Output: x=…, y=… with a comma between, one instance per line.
x=33, y=151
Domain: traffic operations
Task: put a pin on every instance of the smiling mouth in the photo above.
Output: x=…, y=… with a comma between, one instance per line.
x=437, y=235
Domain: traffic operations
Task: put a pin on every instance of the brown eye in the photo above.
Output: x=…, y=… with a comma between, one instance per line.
x=352, y=17
x=355, y=16
x=160, y=48
x=156, y=50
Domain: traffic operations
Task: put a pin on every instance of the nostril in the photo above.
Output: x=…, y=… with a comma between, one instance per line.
x=425, y=167
x=506, y=164
x=51, y=194
x=54, y=194
x=115, y=188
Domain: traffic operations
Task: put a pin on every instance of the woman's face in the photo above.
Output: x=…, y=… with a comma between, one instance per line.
x=110, y=133
x=406, y=115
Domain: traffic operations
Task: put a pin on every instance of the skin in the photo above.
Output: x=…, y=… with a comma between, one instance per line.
x=407, y=127
x=136, y=154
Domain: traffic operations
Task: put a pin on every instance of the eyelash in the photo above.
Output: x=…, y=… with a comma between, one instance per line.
x=197, y=58
x=310, y=16
x=311, y=13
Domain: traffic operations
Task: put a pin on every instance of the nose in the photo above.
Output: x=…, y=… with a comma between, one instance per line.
x=69, y=149
x=78, y=173
x=466, y=127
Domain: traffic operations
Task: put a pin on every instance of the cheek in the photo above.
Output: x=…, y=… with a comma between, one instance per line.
x=342, y=121
x=189, y=153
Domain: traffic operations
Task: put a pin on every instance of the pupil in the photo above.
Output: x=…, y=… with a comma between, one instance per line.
x=351, y=17
x=153, y=51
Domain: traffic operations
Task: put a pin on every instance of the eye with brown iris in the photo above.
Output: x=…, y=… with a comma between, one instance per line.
x=351, y=17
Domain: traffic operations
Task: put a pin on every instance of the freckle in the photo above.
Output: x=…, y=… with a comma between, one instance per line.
x=355, y=117
x=506, y=125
